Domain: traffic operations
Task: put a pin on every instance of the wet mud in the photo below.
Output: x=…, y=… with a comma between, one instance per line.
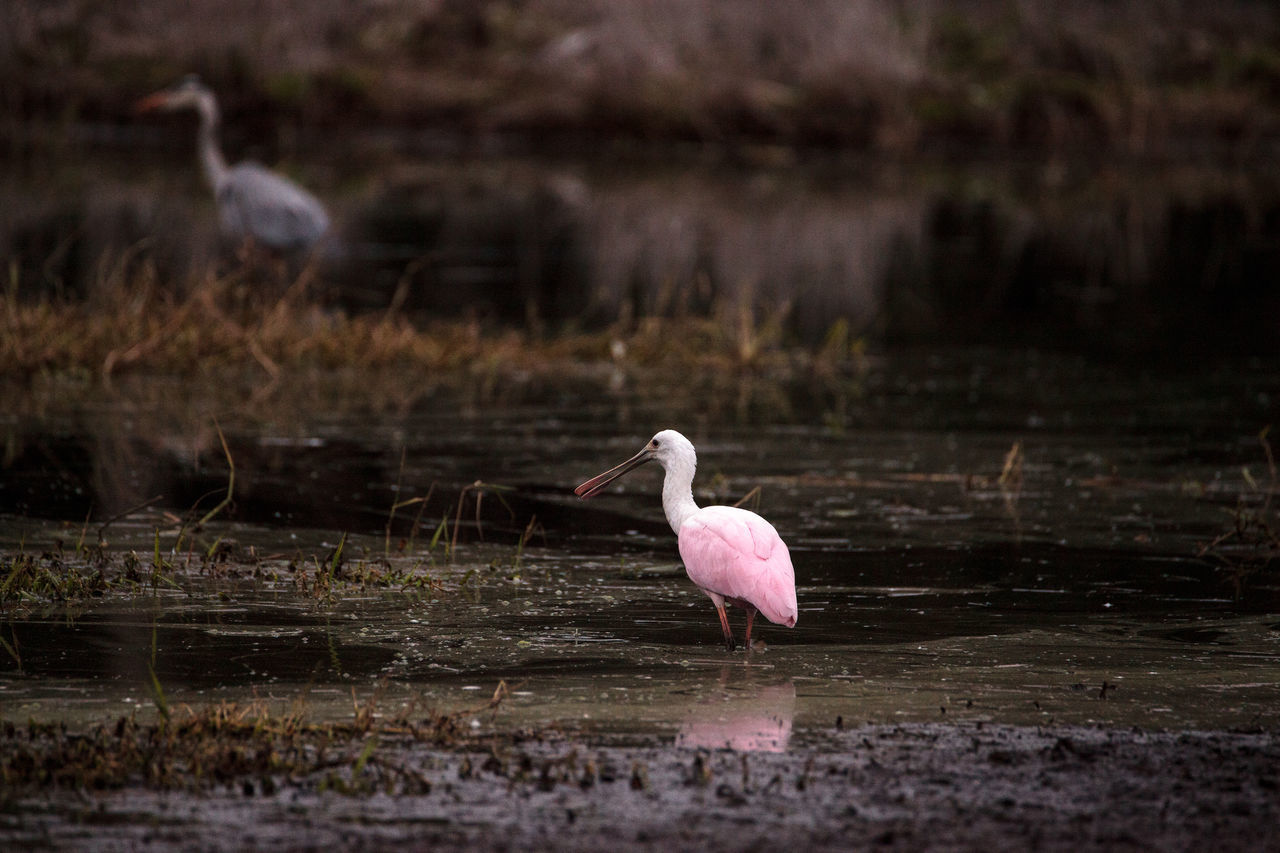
x=913, y=787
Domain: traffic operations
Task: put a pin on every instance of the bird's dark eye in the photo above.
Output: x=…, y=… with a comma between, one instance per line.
x=656, y=443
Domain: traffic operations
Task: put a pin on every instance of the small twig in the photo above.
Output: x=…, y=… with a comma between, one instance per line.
x=457, y=517
x=125, y=514
x=391, y=516
x=396, y=505
x=1271, y=468
x=417, y=519
x=231, y=479
x=13, y=650
x=753, y=497
x=402, y=286
x=1011, y=472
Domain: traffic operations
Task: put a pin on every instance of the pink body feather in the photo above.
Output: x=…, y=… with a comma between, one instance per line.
x=738, y=555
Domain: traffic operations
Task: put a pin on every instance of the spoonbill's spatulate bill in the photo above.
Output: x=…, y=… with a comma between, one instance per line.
x=732, y=554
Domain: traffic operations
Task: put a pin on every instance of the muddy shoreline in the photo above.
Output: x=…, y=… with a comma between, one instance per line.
x=955, y=786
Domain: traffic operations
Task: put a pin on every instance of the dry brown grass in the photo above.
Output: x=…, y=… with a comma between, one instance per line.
x=222, y=327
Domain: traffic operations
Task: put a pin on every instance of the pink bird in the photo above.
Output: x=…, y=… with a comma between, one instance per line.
x=732, y=554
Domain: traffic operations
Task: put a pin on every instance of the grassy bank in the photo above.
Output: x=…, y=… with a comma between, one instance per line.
x=224, y=326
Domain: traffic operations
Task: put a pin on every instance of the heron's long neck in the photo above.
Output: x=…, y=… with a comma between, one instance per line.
x=677, y=493
x=211, y=159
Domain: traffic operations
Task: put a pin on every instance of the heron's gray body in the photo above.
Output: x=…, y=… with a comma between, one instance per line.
x=254, y=203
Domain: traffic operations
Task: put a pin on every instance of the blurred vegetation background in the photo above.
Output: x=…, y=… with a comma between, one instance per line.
x=963, y=171
x=1146, y=78
x=1138, y=78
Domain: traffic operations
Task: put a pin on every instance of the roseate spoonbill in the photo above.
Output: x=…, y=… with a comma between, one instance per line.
x=732, y=554
x=254, y=203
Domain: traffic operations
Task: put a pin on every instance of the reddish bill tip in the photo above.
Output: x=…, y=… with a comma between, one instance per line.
x=150, y=102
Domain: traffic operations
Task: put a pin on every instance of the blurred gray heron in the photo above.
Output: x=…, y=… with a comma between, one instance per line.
x=254, y=204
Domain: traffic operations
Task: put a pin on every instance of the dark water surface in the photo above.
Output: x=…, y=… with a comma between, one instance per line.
x=1073, y=592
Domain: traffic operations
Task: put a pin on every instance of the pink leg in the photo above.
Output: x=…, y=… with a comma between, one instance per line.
x=751, y=617
x=724, y=625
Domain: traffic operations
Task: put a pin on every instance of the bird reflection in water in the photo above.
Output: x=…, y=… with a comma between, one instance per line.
x=747, y=717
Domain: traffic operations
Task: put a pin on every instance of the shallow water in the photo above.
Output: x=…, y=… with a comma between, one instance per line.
x=927, y=590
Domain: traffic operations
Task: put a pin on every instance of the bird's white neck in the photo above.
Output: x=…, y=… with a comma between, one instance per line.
x=677, y=491
x=211, y=159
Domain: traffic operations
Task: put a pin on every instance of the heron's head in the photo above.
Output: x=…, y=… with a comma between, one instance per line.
x=187, y=93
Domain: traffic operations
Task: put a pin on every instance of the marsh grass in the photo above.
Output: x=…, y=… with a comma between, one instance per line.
x=48, y=577
x=93, y=571
x=216, y=330
x=324, y=581
x=53, y=578
x=233, y=744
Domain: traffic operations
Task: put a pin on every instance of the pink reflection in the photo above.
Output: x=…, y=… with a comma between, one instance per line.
x=754, y=719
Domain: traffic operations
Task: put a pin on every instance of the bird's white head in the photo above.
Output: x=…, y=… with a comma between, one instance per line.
x=668, y=448
x=672, y=450
x=675, y=454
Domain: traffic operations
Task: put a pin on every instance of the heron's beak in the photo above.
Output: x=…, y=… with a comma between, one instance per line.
x=597, y=483
x=151, y=102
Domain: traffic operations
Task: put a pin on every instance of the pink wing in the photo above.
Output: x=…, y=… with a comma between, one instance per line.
x=737, y=554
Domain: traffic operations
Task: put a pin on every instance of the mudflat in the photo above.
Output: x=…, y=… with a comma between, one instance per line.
x=920, y=786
